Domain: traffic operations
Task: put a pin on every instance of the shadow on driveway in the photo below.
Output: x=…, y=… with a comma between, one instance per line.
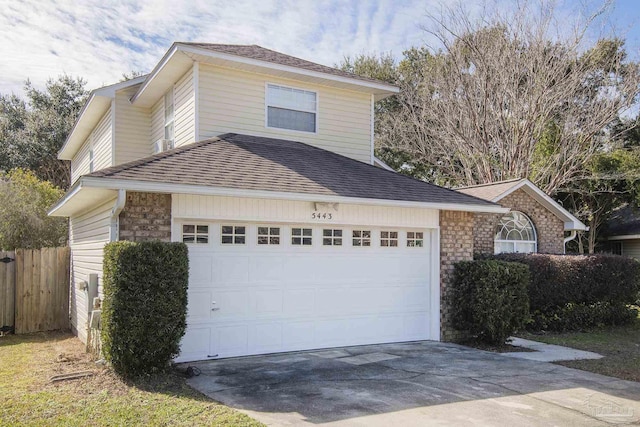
x=420, y=383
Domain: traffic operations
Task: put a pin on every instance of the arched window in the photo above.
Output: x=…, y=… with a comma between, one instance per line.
x=515, y=233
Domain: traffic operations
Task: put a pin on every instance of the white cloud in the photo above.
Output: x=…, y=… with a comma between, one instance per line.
x=102, y=39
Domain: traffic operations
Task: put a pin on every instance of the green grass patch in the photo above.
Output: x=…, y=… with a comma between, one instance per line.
x=620, y=346
x=29, y=398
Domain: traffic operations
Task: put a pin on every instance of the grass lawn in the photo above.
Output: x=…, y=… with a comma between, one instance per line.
x=619, y=345
x=29, y=398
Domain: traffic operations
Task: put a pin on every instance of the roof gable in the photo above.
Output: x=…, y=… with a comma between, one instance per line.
x=252, y=58
x=497, y=191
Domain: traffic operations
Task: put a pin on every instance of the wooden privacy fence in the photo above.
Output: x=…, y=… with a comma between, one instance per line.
x=34, y=289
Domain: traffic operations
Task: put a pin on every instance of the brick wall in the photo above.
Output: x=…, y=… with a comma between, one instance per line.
x=456, y=244
x=484, y=231
x=549, y=228
x=146, y=216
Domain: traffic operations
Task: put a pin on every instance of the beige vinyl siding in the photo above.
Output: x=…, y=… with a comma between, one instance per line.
x=101, y=139
x=234, y=101
x=631, y=248
x=157, y=123
x=132, y=130
x=80, y=162
x=184, y=110
x=297, y=212
x=88, y=233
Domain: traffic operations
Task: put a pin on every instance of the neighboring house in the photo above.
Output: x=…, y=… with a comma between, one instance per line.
x=536, y=222
x=623, y=232
x=263, y=165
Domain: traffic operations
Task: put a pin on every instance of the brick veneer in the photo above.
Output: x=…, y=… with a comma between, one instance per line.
x=456, y=244
x=146, y=216
x=549, y=228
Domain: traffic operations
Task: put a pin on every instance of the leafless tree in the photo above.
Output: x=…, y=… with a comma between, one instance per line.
x=509, y=95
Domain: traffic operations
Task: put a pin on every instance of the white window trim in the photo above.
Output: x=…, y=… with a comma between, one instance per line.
x=195, y=233
x=173, y=116
x=415, y=239
x=389, y=239
x=371, y=238
x=92, y=156
x=233, y=234
x=301, y=245
x=266, y=109
x=269, y=235
x=514, y=242
x=333, y=237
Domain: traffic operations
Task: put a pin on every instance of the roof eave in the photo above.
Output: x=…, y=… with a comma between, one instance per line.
x=570, y=221
x=160, y=187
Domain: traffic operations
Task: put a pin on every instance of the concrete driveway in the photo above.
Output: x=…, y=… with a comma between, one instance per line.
x=415, y=384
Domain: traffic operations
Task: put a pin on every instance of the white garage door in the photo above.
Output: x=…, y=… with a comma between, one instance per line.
x=265, y=288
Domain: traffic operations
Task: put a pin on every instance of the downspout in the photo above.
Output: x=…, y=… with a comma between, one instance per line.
x=114, y=227
x=572, y=236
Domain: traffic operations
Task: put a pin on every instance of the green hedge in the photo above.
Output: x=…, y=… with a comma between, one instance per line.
x=145, y=305
x=569, y=292
x=489, y=299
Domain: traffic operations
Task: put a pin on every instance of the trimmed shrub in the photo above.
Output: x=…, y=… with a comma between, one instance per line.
x=569, y=292
x=145, y=305
x=578, y=317
x=489, y=299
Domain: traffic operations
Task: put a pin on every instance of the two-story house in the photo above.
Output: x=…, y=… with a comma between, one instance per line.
x=263, y=165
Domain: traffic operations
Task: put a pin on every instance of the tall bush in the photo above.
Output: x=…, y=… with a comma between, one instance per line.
x=489, y=299
x=579, y=292
x=145, y=305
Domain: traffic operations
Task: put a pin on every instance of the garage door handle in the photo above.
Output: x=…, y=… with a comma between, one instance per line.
x=215, y=308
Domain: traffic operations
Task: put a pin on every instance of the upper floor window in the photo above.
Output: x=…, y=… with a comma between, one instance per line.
x=515, y=233
x=293, y=109
x=168, y=117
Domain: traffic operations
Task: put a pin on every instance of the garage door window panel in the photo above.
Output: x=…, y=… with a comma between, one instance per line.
x=195, y=233
x=361, y=238
x=415, y=239
x=233, y=234
x=389, y=239
x=268, y=235
x=301, y=236
x=332, y=237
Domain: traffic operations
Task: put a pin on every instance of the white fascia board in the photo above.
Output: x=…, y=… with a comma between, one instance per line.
x=149, y=77
x=112, y=89
x=256, y=63
x=154, y=187
x=625, y=237
x=60, y=203
x=570, y=221
x=61, y=153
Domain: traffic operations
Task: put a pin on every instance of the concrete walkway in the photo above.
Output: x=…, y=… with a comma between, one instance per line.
x=415, y=384
x=548, y=352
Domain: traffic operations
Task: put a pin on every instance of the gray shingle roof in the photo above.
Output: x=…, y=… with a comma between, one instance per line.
x=256, y=163
x=624, y=222
x=268, y=55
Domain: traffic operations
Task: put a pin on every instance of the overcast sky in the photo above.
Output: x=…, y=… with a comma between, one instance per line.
x=101, y=40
